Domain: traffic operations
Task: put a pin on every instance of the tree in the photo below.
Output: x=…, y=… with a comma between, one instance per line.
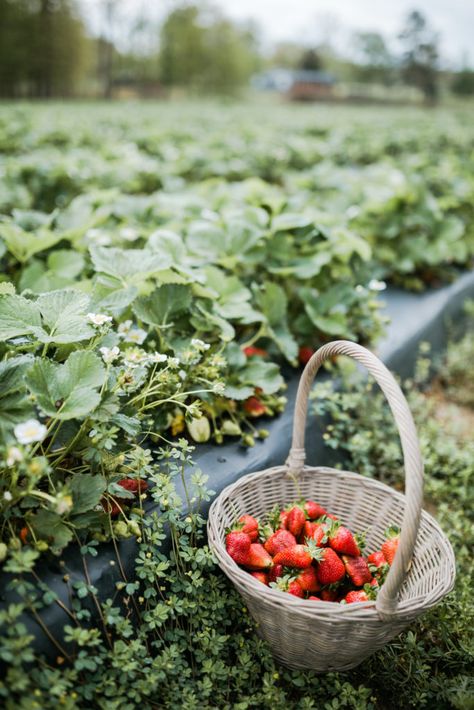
x=420, y=57
x=310, y=60
x=376, y=63
x=463, y=82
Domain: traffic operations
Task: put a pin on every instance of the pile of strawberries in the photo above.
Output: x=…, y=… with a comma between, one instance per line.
x=307, y=552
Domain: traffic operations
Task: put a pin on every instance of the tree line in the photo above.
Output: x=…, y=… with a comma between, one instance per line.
x=47, y=50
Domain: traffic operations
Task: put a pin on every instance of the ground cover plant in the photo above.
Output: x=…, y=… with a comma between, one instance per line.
x=179, y=634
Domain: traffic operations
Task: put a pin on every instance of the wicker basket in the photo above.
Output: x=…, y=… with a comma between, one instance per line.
x=326, y=636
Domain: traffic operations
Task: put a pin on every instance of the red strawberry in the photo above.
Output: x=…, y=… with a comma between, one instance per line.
x=316, y=599
x=261, y=576
x=295, y=520
x=314, y=510
x=305, y=354
x=390, y=545
x=252, y=351
x=299, y=556
x=249, y=525
x=377, y=559
x=356, y=596
x=275, y=572
x=295, y=589
x=135, y=485
x=330, y=567
x=333, y=517
x=329, y=595
x=238, y=546
x=278, y=541
x=283, y=519
x=374, y=583
x=316, y=532
x=258, y=557
x=254, y=407
x=308, y=580
x=357, y=569
x=342, y=540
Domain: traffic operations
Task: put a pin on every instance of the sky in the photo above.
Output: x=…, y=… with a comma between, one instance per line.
x=311, y=21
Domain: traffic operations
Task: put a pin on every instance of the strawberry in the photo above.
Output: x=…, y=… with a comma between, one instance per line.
x=329, y=595
x=249, y=525
x=308, y=580
x=290, y=585
x=134, y=485
x=300, y=556
x=374, y=583
x=333, y=517
x=316, y=532
x=342, y=540
x=254, y=407
x=284, y=519
x=330, y=568
x=377, y=559
x=357, y=569
x=315, y=599
x=313, y=510
x=275, y=572
x=356, y=596
x=252, y=351
x=257, y=557
x=261, y=576
x=305, y=353
x=238, y=546
x=278, y=541
x=390, y=545
x=295, y=520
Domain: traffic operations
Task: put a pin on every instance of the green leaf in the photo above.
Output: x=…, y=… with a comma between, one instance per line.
x=262, y=374
x=23, y=245
x=164, y=303
x=64, y=316
x=86, y=490
x=18, y=316
x=129, y=266
x=274, y=303
x=49, y=526
x=67, y=391
x=238, y=393
x=14, y=404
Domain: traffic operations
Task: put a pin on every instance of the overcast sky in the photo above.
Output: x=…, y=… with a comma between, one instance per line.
x=310, y=21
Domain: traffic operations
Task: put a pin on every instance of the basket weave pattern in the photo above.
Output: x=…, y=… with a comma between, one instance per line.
x=327, y=636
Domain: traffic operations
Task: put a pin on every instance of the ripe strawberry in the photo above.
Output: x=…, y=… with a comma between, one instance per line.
x=238, y=546
x=284, y=519
x=295, y=520
x=254, y=407
x=275, y=572
x=357, y=569
x=316, y=532
x=308, y=580
x=249, y=525
x=295, y=589
x=305, y=354
x=313, y=510
x=290, y=585
x=333, y=517
x=258, y=557
x=390, y=545
x=342, y=540
x=330, y=568
x=278, y=541
x=315, y=599
x=134, y=485
x=377, y=559
x=252, y=351
x=356, y=596
x=374, y=583
x=297, y=556
x=329, y=595
x=261, y=576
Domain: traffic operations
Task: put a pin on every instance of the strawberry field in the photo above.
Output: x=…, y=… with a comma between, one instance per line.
x=167, y=268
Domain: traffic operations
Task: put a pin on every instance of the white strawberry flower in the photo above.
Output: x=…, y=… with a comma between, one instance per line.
x=30, y=431
x=375, y=285
x=124, y=328
x=99, y=318
x=199, y=344
x=7, y=496
x=136, y=335
x=14, y=455
x=109, y=354
x=158, y=357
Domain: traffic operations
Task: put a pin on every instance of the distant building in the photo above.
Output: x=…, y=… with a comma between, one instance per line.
x=299, y=85
x=310, y=85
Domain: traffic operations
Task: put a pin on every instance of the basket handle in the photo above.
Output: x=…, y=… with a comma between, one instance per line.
x=387, y=598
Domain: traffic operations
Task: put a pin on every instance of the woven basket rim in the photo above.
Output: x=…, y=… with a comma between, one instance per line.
x=359, y=610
